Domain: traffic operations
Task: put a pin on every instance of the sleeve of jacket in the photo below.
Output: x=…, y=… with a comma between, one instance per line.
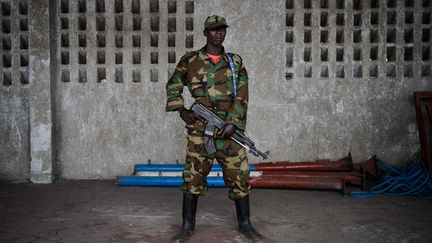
x=237, y=113
x=174, y=88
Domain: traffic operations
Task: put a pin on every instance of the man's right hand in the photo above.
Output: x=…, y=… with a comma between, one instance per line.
x=188, y=116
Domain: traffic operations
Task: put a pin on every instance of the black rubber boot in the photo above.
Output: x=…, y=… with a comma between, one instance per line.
x=189, y=210
x=243, y=218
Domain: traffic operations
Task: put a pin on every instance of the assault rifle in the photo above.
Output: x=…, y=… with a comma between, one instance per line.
x=213, y=121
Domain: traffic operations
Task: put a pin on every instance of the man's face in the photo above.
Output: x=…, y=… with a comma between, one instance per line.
x=216, y=36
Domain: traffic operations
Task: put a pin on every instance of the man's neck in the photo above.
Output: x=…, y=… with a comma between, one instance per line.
x=214, y=50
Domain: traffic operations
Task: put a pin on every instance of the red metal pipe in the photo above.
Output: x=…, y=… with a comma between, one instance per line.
x=354, y=178
x=344, y=164
x=369, y=166
x=429, y=110
x=297, y=183
x=419, y=96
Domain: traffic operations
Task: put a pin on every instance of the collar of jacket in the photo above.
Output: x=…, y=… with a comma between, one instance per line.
x=202, y=54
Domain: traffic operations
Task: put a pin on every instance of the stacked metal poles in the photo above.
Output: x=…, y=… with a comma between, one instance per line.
x=321, y=174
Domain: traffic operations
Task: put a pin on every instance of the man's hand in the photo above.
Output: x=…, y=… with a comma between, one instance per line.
x=227, y=131
x=188, y=116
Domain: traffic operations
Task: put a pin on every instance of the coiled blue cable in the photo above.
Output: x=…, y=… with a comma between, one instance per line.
x=413, y=179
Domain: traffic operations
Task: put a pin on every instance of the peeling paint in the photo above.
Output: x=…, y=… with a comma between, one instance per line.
x=340, y=107
x=18, y=134
x=36, y=165
x=41, y=137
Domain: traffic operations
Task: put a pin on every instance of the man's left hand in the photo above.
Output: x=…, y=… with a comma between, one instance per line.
x=227, y=131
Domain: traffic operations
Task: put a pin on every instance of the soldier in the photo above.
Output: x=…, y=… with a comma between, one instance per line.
x=208, y=76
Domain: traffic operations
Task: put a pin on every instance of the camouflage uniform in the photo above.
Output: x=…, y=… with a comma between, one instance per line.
x=211, y=85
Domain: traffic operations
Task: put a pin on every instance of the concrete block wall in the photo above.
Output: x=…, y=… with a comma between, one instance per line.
x=14, y=92
x=14, y=96
x=326, y=77
x=359, y=62
x=113, y=59
x=25, y=101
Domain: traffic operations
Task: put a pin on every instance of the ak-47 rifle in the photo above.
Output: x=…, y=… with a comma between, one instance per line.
x=213, y=121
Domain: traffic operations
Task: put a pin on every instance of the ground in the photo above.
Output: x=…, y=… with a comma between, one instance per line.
x=100, y=211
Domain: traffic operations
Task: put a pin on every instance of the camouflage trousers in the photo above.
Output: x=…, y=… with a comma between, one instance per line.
x=230, y=156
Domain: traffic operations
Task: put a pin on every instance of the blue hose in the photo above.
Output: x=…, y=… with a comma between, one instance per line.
x=413, y=179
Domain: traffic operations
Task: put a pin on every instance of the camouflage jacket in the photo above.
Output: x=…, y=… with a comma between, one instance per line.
x=211, y=85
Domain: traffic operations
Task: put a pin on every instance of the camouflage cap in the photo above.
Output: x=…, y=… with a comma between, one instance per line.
x=214, y=21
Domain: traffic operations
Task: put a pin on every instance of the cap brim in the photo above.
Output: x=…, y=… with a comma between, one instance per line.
x=213, y=26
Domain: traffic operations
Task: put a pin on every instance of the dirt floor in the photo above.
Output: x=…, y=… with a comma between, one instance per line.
x=100, y=211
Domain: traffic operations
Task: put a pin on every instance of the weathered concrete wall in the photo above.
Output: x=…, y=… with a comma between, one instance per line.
x=326, y=78
x=14, y=127
x=318, y=114
x=41, y=166
x=14, y=93
x=304, y=118
x=104, y=125
x=25, y=121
